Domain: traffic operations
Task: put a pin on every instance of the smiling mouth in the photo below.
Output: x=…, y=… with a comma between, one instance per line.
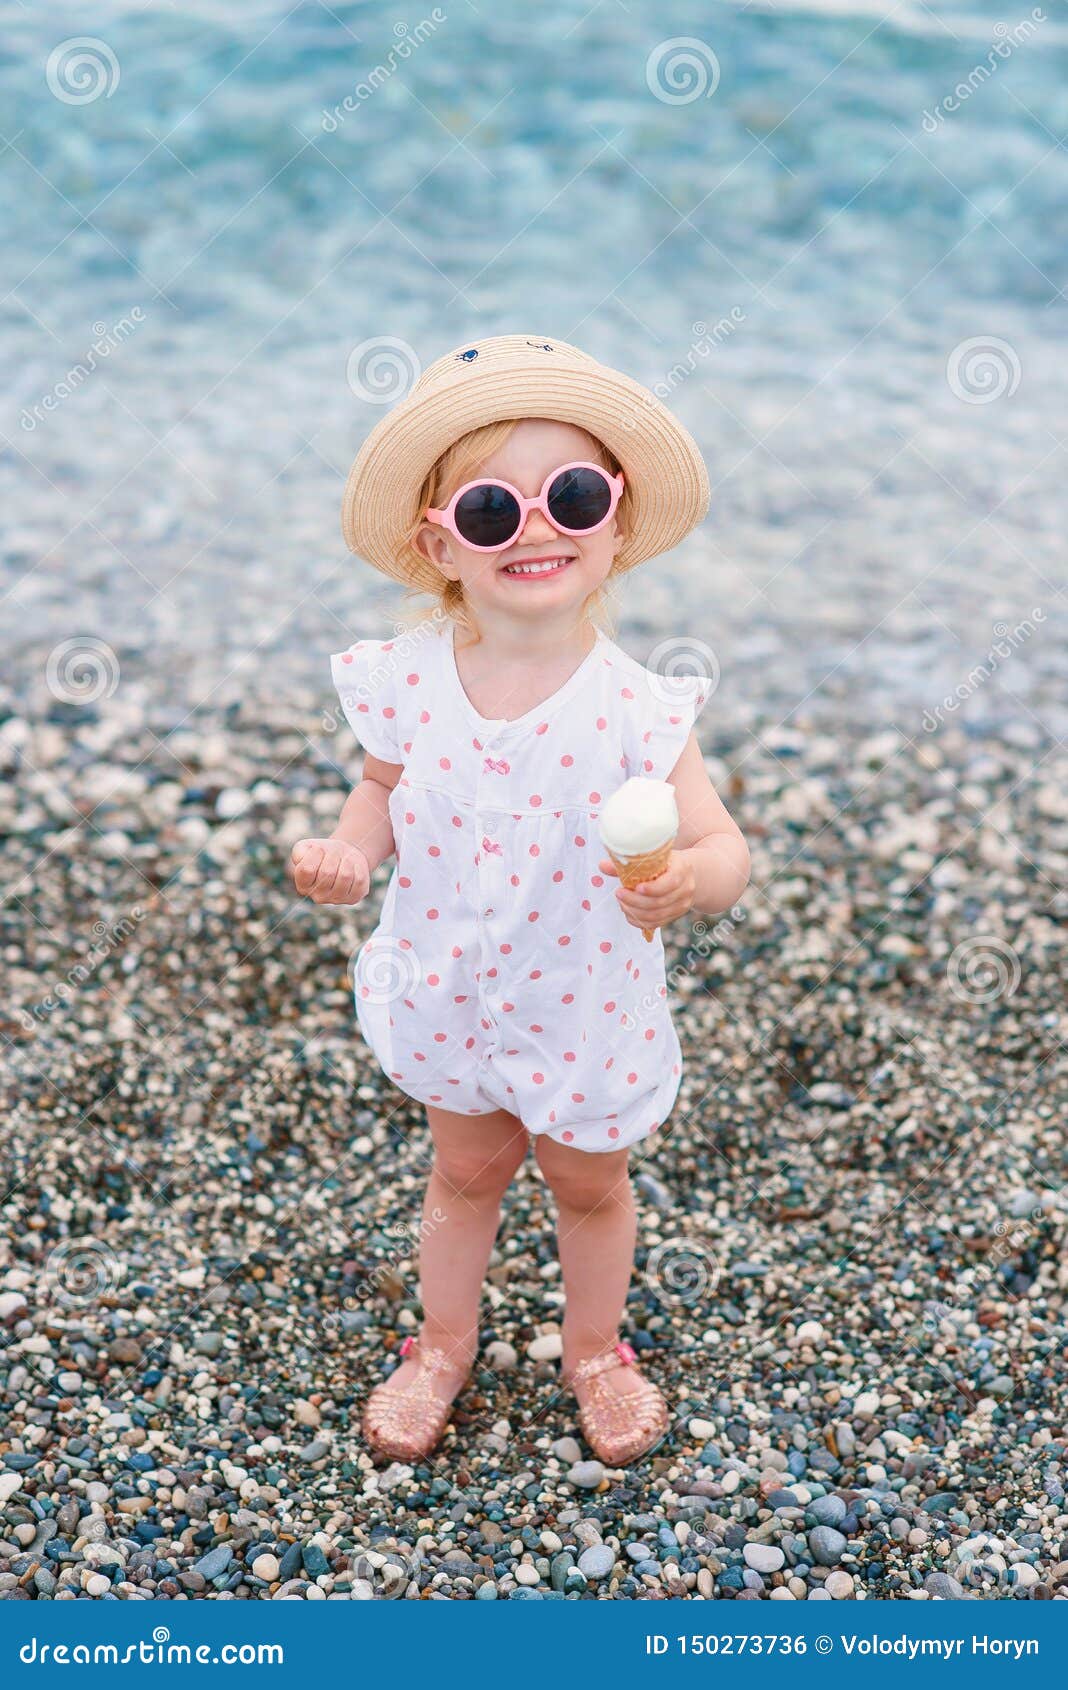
x=536, y=568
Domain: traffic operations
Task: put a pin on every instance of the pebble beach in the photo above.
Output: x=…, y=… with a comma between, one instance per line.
x=852, y=1274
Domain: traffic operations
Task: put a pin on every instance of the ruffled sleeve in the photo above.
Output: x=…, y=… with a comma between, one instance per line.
x=366, y=680
x=668, y=708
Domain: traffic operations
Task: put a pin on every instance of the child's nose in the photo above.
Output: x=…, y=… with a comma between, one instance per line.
x=536, y=528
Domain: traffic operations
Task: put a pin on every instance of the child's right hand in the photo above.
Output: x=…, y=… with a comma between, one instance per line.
x=331, y=871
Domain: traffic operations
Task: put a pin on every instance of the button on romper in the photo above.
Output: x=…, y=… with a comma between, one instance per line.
x=502, y=973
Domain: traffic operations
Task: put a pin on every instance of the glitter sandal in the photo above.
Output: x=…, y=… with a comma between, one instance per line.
x=405, y=1422
x=619, y=1426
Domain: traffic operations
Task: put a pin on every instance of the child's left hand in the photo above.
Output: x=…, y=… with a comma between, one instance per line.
x=656, y=902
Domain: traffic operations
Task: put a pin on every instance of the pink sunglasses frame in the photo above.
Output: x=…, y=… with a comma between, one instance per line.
x=447, y=517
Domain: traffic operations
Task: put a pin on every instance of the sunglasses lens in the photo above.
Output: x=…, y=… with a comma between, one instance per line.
x=579, y=499
x=487, y=515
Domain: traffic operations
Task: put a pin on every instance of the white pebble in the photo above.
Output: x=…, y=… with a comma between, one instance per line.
x=763, y=1557
x=231, y=802
x=839, y=1585
x=549, y=1347
x=500, y=1356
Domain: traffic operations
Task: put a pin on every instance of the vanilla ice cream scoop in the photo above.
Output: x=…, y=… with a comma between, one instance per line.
x=639, y=817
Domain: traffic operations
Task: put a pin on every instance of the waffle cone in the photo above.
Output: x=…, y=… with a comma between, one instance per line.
x=633, y=870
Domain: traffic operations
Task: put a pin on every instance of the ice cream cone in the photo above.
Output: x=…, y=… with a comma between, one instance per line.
x=639, y=825
x=633, y=871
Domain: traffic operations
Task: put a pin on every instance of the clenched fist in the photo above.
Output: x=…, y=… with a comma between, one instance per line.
x=331, y=871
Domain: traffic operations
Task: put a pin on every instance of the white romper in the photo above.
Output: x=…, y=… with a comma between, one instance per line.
x=502, y=973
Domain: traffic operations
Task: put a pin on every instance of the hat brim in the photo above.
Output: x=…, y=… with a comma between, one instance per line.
x=664, y=470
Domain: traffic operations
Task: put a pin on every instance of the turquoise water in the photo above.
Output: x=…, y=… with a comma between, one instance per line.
x=808, y=243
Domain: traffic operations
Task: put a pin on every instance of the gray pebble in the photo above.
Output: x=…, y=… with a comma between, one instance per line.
x=827, y=1510
x=596, y=1562
x=826, y=1545
x=941, y=1584
x=215, y=1562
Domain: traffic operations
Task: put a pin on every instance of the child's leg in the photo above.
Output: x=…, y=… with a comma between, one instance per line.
x=475, y=1159
x=595, y=1236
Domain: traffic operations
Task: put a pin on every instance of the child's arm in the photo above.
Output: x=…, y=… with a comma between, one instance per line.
x=709, y=867
x=338, y=870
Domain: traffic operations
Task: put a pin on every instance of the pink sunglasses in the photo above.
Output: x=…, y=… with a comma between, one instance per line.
x=488, y=515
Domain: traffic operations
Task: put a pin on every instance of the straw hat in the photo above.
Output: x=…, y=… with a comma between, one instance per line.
x=516, y=375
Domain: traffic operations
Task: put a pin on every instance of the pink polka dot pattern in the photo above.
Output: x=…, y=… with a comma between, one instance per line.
x=496, y=916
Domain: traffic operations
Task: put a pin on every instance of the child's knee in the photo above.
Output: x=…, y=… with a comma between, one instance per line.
x=477, y=1175
x=582, y=1180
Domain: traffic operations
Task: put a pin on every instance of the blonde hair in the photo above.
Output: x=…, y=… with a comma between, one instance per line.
x=460, y=462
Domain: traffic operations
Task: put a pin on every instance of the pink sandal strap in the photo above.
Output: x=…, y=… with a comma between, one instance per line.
x=431, y=1361
x=620, y=1355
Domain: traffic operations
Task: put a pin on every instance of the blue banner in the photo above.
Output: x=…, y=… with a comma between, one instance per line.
x=447, y=1643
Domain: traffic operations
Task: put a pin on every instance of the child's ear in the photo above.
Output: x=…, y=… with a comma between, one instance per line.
x=432, y=544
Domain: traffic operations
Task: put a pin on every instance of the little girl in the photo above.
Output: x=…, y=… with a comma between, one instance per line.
x=508, y=987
